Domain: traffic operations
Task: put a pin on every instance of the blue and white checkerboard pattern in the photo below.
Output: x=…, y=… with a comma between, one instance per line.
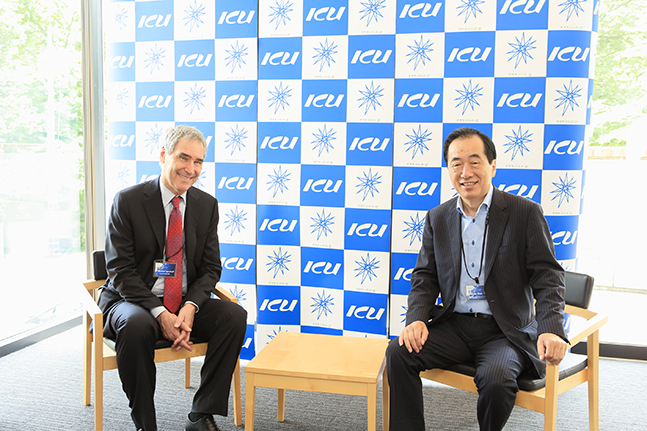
x=326, y=120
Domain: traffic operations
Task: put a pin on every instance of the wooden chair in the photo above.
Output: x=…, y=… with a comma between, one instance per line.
x=104, y=353
x=540, y=395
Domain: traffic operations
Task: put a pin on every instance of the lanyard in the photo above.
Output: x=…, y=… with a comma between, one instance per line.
x=487, y=222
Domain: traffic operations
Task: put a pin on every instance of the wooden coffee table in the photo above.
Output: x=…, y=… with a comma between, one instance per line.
x=319, y=363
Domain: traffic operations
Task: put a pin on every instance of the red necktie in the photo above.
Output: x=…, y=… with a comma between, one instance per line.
x=173, y=285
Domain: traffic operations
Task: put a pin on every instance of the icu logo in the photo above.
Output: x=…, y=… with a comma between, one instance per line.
x=154, y=21
x=418, y=100
x=367, y=230
x=563, y=147
x=403, y=274
x=569, y=56
x=422, y=17
x=402, y=265
x=518, y=7
x=278, y=224
x=193, y=61
x=521, y=182
x=373, y=235
x=369, y=140
x=365, y=312
x=325, y=14
x=469, y=54
x=279, y=143
x=522, y=14
x=279, y=58
x=416, y=188
x=324, y=100
x=235, y=182
x=122, y=62
x=121, y=140
x=236, y=17
x=236, y=101
x=121, y=58
x=278, y=305
x=238, y=263
x=322, y=267
x=519, y=100
x=563, y=230
x=371, y=56
x=322, y=182
x=154, y=101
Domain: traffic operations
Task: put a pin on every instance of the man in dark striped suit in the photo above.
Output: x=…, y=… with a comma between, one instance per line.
x=488, y=255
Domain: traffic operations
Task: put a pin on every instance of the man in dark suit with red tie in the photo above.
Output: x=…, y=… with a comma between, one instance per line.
x=163, y=259
x=489, y=256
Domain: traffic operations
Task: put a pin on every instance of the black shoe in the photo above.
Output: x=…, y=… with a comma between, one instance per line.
x=205, y=423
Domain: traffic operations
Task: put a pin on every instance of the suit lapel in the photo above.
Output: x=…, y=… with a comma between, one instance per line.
x=155, y=211
x=190, y=223
x=497, y=223
x=454, y=227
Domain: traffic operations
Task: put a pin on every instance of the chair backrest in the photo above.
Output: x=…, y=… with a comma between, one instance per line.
x=99, y=265
x=579, y=288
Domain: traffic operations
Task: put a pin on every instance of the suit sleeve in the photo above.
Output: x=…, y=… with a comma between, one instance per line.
x=126, y=277
x=546, y=276
x=208, y=267
x=424, y=279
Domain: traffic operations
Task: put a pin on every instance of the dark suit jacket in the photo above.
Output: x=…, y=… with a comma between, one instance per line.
x=519, y=266
x=135, y=239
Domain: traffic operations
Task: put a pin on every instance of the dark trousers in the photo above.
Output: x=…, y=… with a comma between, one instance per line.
x=221, y=323
x=459, y=339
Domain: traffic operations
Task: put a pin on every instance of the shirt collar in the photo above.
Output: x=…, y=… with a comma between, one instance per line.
x=167, y=195
x=485, y=204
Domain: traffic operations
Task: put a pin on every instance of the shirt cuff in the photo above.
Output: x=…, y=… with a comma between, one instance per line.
x=195, y=305
x=157, y=311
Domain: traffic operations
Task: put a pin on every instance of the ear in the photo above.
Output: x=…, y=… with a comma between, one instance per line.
x=162, y=155
x=493, y=168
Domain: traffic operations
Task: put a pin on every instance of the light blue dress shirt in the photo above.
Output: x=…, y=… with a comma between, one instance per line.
x=473, y=229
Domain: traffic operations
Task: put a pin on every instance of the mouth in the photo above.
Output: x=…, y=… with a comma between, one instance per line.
x=470, y=184
x=185, y=177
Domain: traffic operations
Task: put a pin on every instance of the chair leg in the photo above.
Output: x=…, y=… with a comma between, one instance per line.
x=187, y=373
x=371, y=407
x=593, y=348
x=87, y=361
x=249, y=401
x=550, y=406
x=98, y=389
x=238, y=410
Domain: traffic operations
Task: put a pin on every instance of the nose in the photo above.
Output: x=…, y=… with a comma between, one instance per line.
x=467, y=171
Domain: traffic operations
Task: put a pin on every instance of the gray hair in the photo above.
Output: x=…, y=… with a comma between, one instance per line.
x=173, y=135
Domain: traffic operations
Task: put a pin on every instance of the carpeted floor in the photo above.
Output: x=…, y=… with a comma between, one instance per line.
x=40, y=390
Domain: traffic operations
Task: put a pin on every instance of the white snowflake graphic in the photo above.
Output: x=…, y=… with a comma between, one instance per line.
x=274, y=333
x=417, y=141
x=517, y=142
x=369, y=97
x=322, y=223
x=194, y=15
x=194, y=98
x=279, y=97
x=153, y=136
x=366, y=268
x=371, y=11
x=572, y=7
x=403, y=314
x=239, y=294
x=280, y=12
x=420, y=52
x=467, y=96
x=234, y=221
x=521, y=50
x=154, y=57
x=121, y=97
x=120, y=17
x=235, y=139
x=469, y=7
x=567, y=97
x=324, y=54
x=413, y=229
x=321, y=305
x=278, y=262
x=235, y=56
x=323, y=140
x=368, y=183
x=278, y=180
x=563, y=190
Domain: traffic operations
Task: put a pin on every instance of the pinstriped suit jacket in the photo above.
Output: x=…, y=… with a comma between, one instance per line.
x=519, y=266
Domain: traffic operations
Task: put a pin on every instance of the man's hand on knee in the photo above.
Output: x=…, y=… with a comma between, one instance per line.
x=414, y=336
x=178, y=336
x=552, y=348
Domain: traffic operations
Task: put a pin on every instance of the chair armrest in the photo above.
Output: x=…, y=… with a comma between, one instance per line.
x=221, y=293
x=89, y=303
x=594, y=322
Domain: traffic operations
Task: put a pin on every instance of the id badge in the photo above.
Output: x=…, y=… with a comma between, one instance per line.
x=164, y=269
x=475, y=292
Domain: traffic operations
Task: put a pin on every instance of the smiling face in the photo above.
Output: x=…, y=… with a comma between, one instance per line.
x=470, y=171
x=182, y=167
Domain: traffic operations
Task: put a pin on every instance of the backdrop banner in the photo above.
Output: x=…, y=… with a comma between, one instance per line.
x=325, y=121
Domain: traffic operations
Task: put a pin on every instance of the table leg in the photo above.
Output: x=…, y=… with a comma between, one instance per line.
x=386, y=402
x=250, y=392
x=280, y=417
x=372, y=406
